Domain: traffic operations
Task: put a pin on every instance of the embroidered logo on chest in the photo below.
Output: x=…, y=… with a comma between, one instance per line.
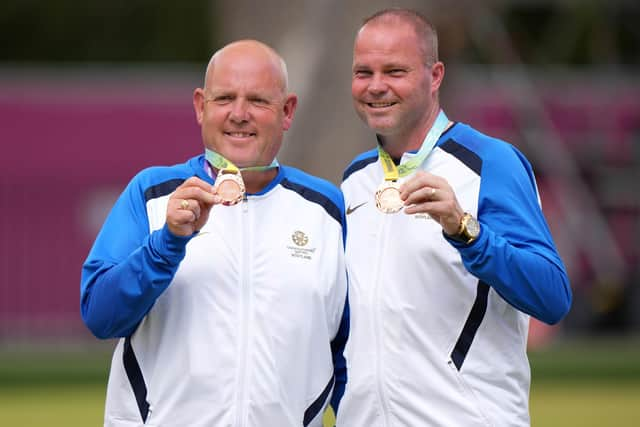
x=300, y=240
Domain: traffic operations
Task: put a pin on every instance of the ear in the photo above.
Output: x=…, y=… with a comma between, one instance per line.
x=198, y=104
x=437, y=75
x=289, y=108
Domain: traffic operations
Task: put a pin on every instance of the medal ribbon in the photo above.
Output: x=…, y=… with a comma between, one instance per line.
x=392, y=173
x=219, y=162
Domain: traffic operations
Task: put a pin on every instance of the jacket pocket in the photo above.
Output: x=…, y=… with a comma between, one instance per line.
x=468, y=393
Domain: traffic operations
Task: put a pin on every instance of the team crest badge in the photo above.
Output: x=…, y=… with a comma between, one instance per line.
x=300, y=239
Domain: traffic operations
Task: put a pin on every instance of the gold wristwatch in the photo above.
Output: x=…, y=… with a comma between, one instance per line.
x=468, y=231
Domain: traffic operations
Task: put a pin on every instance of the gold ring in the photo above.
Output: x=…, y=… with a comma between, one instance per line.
x=184, y=204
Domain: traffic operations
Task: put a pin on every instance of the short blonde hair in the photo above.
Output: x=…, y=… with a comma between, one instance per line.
x=424, y=29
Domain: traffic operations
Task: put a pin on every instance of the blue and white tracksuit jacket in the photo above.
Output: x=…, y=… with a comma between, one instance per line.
x=439, y=329
x=241, y=324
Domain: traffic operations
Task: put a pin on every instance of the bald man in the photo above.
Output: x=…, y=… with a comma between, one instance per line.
x=224, y=277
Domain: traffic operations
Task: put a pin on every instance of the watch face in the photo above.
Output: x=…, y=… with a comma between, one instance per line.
x=473, y=227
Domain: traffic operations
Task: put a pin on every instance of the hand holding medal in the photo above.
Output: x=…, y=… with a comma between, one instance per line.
x=432, y=195
x=387, y=196
x=423, y=192
x=189, y=206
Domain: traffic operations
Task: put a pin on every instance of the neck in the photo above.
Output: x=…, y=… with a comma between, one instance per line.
x=410, y=140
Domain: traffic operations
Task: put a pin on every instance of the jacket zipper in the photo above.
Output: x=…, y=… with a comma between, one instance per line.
x=245, y=313
x=376, y=308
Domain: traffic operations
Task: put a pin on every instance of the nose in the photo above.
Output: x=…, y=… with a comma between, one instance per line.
x=377, y=84
x=239, y=111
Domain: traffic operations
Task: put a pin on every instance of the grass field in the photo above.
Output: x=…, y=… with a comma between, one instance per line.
x=581, y=384
x=586, y=384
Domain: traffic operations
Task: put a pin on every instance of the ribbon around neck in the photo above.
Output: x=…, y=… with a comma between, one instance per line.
x=393, y=172
x=218, y=161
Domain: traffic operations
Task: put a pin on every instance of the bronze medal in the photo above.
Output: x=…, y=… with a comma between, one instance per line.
x=230, y=187
x=388, y=197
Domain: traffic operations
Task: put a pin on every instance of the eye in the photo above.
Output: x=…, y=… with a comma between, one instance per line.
x=362, y=73
x=259, y=101
x=397, y=72
x=222, y=99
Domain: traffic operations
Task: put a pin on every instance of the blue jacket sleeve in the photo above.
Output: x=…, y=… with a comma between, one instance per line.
x=128, y=267
x=339, y=363
x=515, y=253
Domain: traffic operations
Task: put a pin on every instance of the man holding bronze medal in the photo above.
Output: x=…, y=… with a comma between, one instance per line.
x=448, y=252
x=224, y=276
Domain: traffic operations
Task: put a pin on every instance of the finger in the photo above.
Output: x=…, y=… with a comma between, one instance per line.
x=191, y=206
x=194, y=181
x=181, y=221
x=184, y=216
x=196, y=209
x=195, y=192
x=424, y=179
x=421, y=195
x=441, y=211
x=435, y=209
x=417, y=208
x=183, y=211
x=420, y=179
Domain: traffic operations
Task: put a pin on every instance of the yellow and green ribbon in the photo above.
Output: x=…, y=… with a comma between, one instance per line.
x=217, y=161
x=393, y=172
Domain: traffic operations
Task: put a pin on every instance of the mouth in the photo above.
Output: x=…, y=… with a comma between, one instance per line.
x=379, y=105
x=239, y=135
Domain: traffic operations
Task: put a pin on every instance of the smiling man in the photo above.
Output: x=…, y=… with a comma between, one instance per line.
x=448, y=251
x=224, y=276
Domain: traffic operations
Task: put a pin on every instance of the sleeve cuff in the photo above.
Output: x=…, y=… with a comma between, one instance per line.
x=168, y=245
x=460, y=245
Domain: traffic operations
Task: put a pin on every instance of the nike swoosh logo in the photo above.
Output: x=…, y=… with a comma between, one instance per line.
x=350, y=209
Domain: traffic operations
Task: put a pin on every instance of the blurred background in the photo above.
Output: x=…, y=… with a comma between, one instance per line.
x=91, y=92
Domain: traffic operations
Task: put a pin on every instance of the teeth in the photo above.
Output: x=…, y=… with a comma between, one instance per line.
x=380, y=104
x=239, y=134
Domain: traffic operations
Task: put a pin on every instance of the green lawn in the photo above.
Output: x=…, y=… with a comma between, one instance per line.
x=52, y=406
x=585, y=405
x=586, y=384
x=581, y=384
